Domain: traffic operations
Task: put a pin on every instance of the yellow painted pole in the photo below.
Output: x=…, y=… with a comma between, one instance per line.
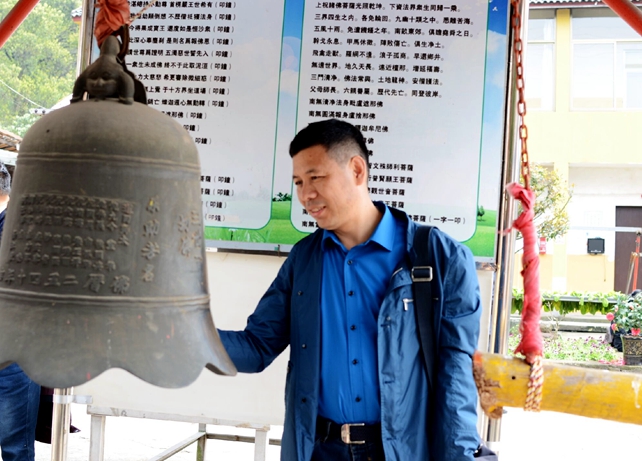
x=503, y=382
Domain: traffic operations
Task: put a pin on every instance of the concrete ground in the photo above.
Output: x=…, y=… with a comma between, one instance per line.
x=560, y=437
x=525, y=437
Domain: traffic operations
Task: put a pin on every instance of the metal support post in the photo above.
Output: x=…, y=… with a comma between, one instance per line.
x=200, y=444
x=86, y=35
x=97, y=438
x=503, y=292
x=260, y=445
x=62, y=399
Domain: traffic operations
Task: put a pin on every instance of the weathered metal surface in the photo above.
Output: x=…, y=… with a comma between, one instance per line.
x=105, y=77
x=102, y=261
x=503, y=382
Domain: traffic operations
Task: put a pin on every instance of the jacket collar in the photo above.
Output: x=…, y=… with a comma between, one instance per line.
x=401, y=277
x=410, y=225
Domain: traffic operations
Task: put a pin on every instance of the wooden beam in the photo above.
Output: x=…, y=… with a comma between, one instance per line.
x=14, y=18
x=503, y=382
x=628, y=12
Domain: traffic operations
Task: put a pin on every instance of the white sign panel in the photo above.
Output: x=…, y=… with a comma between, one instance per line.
x=423, y=80
x=408, y=78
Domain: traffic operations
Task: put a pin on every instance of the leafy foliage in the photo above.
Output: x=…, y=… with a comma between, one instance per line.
x=282, y=197
x=21, y=123
x=38, y=61
x=552, y=197
x=566, y=303
x=627, y=315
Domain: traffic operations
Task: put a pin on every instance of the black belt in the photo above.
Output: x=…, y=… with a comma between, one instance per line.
x=348, y=433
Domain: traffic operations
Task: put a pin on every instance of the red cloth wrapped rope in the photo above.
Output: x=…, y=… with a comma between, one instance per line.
x=110, y=17
x=531, y=344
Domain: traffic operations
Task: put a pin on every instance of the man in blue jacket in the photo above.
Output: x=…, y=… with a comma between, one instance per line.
x=19, y=396
x=356, y=387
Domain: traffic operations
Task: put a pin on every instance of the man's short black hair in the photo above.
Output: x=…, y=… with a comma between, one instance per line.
x=334, y=135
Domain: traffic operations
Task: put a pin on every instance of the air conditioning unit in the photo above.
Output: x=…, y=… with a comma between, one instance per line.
x=595, y=246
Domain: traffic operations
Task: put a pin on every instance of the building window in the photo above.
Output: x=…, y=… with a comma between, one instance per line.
x=607, y=62
x=539, y=72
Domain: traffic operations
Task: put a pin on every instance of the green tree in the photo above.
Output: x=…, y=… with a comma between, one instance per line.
x=553, y=196
x=38, y=61
x=21, y=123
x=282, y=197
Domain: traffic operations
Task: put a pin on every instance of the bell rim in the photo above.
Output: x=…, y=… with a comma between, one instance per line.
x=167, y=346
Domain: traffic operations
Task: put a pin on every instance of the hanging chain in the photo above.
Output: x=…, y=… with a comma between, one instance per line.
x=536, y=379
x=518, y=48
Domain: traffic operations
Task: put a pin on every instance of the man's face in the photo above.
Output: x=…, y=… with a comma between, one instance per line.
x=326, y=189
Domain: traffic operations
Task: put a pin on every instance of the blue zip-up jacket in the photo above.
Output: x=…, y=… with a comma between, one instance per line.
x=415, y=426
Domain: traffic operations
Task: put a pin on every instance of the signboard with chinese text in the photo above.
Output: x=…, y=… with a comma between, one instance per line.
x=423, y=80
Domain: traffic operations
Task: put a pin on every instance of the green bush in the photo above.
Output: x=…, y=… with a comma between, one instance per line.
x=566, y=303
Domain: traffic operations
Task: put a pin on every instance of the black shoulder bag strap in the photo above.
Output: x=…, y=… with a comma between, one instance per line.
x=422, y=274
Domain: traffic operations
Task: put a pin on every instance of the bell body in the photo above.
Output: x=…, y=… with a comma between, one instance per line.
x=102, y=260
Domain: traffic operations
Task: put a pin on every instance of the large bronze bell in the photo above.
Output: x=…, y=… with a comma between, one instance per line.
x=102, y=262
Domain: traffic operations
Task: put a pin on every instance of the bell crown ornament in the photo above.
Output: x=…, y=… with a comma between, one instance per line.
x=102, y=259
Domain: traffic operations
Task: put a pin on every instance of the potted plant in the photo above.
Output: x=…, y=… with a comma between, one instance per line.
x=627, y=318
